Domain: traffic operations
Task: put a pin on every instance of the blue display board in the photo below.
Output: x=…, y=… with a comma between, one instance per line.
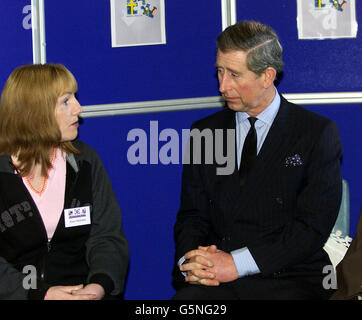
x=79, y=35
x=331, y=65
x=15, y=34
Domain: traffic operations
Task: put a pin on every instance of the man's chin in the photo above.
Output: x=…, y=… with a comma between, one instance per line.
x=236, y=106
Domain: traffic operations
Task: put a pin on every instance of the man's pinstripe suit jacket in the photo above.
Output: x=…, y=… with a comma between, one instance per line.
x=288, y=205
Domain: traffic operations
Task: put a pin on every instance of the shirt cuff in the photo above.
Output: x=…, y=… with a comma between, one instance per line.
x=180, y=262
x=244, y=262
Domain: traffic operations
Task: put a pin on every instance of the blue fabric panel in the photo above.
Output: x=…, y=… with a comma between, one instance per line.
x=15, y=34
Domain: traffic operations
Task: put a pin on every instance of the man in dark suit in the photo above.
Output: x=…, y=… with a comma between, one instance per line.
x=259, y=232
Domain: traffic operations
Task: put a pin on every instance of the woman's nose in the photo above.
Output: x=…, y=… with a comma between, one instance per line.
x=78, y=108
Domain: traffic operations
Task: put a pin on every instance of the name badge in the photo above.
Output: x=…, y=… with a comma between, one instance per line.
x=75, y=217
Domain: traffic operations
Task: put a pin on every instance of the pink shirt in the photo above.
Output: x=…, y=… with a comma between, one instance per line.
x=50, y=203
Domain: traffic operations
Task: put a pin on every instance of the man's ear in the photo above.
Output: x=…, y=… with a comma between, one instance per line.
x=269, y=75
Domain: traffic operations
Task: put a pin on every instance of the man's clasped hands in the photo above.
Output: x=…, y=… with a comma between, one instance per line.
x=209, y=266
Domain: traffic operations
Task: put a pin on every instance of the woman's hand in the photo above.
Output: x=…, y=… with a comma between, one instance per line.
x=92, y=289
x=68, y=293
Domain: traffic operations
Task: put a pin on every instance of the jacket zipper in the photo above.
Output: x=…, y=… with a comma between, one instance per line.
x=42, y=274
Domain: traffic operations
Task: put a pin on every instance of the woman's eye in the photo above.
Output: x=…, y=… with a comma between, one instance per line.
x=66, y=101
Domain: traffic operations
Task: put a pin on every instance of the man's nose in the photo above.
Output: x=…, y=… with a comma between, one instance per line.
x=223, y=84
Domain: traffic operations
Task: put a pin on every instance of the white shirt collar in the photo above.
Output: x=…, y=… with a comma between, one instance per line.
x=267, y=115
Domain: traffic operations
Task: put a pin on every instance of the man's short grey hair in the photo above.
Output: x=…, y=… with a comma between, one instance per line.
x=258, y=40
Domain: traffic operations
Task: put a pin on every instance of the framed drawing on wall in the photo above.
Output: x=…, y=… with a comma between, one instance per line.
x=137, y=23
x=326, y=19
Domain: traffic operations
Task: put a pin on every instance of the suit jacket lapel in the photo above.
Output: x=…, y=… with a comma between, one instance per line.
x=277, y=137
x=273, y=150
x=229, y=191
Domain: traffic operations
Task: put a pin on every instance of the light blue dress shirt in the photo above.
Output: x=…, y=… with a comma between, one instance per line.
x=244, y=261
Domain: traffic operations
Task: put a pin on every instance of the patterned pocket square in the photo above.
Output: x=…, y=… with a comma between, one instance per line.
x=293, y=161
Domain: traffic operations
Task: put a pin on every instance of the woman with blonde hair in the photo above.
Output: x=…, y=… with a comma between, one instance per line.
x=60, y=223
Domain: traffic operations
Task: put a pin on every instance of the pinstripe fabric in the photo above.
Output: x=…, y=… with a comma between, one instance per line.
x=287, y=207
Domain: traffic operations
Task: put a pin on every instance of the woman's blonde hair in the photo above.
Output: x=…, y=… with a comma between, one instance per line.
x=28, y=128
